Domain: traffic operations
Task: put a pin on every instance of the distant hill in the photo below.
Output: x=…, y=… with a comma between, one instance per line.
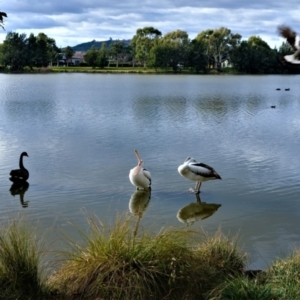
x=87, y=46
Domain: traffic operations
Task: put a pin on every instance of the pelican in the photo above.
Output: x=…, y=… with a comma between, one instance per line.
x=196, y=171
x=293, y=39
x=139, y=176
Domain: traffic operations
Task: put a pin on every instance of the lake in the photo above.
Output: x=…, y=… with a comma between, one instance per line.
x=80, y=131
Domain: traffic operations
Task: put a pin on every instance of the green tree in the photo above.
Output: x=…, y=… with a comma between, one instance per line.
x=102, y=57
x=197, y=57
x=285, y=49
x=69, y=52
x=41, y=54
x=14, y=51
x=143, y=42
x=255, y=57
x=53, y=51
x=176, y=45
x=40, y=50
x=31, y=51
x=116, y=52
x=91, y=57
x=159, y=56
x=219, y=43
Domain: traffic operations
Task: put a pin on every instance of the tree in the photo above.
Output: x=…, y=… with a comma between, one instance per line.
x=116, y=52
x=143, y=42
x=14, y=51
x=53, y=51
x=91, y=57
x=219, y=43
x=69, y=52
x=197, y=57
x=102, y=57
x=177, y=46
x=31, y=51
x=41, y=54
x=40, y=50
x=2, y=14
x=285, y=49
x=255, y=57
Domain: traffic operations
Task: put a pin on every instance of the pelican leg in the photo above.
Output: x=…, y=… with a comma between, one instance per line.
x=199, y=186
x=198, y=198
x=196, y=190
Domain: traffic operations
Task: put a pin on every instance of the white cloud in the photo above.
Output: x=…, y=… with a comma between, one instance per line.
x=73, y=22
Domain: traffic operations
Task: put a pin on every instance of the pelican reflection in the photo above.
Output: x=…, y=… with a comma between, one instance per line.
x=196, y=211
x=20, y=189
x=138, y=204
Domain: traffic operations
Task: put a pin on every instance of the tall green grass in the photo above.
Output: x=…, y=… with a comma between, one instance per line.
x=116, y=262
x=280, y=281
x=173, y=264
x=20, y=253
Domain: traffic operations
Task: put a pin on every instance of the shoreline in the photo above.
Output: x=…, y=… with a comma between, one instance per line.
x=53, y=70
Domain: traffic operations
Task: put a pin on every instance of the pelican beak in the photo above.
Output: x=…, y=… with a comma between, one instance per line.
x=138, y=168
x=137, y=155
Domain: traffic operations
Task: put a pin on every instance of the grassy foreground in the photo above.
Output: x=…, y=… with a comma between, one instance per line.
x=115, y=263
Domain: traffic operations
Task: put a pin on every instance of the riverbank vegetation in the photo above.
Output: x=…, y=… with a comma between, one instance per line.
x=118, y=262
x=149, y=49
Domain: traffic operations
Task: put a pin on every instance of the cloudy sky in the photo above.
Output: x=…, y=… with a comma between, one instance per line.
x=72, y=22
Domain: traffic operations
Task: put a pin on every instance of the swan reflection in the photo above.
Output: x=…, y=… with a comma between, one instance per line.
x=20, y=189
x=196, y=211
x=138, y=204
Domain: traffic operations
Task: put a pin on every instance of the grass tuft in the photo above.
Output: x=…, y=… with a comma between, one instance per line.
x=20, y=253
x=283, y=276
x=115, y=264
x=280, y=281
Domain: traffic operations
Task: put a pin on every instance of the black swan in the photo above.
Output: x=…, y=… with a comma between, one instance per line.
x=22, y=174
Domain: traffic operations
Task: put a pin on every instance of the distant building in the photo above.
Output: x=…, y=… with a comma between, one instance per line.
x=77, y=58
x=226, y=64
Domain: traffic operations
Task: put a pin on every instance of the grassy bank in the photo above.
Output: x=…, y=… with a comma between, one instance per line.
x=114, y=262
x=115, y=70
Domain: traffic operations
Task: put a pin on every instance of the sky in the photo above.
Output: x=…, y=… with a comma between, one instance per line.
x=72, y=22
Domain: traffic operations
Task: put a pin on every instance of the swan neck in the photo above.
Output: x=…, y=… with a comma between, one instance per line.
x=21, y=162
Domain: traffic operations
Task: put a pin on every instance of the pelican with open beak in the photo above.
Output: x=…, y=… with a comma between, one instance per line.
x=139, y=176
x=196, y=171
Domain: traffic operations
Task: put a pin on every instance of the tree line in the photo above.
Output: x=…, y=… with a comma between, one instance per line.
x=149, y=48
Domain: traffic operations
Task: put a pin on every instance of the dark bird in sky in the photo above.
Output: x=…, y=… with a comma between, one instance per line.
x=293, y=39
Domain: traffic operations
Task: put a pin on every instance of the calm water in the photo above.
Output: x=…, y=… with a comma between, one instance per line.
x=80, y=131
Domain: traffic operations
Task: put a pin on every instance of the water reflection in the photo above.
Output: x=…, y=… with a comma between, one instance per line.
x=33, y=109
x=138, y=204
x=20, y=189
x=196, y=211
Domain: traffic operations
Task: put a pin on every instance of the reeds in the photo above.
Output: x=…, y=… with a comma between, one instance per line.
x=173, y=264
x=280, y=281
x=20, y=253
x=116, y=262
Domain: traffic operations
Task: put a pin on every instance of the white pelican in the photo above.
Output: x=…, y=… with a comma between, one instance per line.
x=196, y=171
x=293, y=39
x=138, y=176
